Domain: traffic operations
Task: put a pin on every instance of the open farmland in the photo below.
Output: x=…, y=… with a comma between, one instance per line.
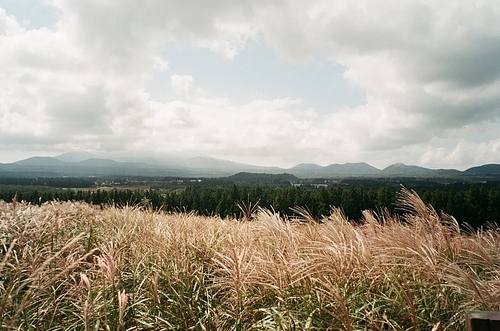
x=73, y=266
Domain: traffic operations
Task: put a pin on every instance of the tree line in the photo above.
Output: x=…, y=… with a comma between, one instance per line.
x=477, y=205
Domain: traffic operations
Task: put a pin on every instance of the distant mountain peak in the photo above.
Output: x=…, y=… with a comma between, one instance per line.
x=306, y=166
x=347, y=169
x=493, y=169
x=408, y=170
x=42, y=161
x=75, y=156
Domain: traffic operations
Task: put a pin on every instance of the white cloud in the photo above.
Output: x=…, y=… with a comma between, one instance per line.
x=230, y=39
x=427, y=67
x=8, y=24
x=261, y=128
x=431, y=73
x=160, y=64
x=181, y=83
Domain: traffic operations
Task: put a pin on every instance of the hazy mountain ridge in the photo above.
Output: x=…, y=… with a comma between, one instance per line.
x=76, y=164
x=94, y=166
x=42, y=161
x=493, y=169
x=403, y=169
x=361, y=168
x=76, y=156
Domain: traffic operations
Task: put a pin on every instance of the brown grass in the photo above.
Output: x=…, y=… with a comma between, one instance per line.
x=70, y=266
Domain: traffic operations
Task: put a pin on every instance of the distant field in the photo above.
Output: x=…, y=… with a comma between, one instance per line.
x=73, y=266
x=118, y=187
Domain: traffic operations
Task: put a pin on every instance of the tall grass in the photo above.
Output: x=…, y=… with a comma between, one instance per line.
x=70, y=266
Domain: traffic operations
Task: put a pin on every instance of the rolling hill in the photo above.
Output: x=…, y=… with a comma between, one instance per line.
x=88, y=164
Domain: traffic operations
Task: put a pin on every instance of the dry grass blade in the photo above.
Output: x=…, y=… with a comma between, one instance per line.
x=73, y=266
x=7, y=254
x=236, y=268
x=342, y=306
x=304, y=214
x=248, y=209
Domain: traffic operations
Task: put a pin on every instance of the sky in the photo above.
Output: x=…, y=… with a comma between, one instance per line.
x=265, y=82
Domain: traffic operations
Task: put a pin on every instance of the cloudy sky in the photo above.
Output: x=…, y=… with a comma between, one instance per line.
x=263, y=82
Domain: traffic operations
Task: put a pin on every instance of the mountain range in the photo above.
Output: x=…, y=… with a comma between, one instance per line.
x=88, y=164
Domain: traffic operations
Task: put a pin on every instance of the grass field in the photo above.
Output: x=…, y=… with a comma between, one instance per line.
x=72, y=266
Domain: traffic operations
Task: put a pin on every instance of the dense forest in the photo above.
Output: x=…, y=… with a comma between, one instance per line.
x=478, y=204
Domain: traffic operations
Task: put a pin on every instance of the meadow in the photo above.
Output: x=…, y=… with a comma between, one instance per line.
x=76, y=266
